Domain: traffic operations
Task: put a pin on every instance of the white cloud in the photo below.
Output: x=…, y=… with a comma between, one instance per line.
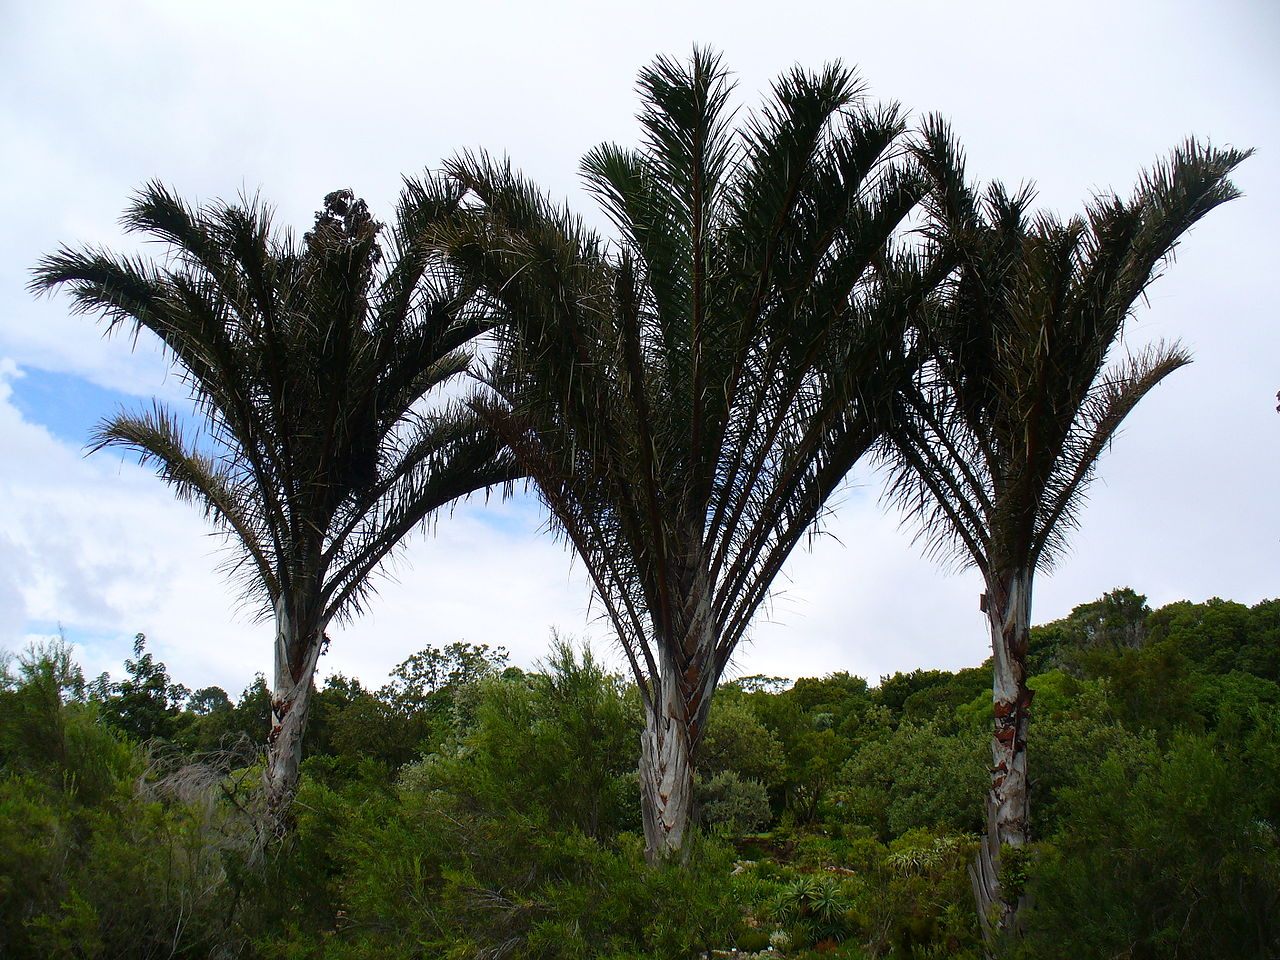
x=300, y=98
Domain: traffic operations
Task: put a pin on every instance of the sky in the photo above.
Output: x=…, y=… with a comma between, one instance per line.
x=295, y=99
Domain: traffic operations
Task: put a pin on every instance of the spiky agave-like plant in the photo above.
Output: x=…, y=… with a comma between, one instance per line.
x=687, y=400
x=997, y=438
x=316, y=448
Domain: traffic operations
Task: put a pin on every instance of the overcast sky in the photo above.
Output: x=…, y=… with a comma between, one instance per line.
x=297, y=99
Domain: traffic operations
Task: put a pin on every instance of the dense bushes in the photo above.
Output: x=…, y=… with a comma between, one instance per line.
x=469, y=809
x=916, y=776
x=105, y=850
x=1165, y=853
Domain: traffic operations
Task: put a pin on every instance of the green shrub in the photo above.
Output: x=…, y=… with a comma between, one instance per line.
x=915, y=777
x=916, y=901
x=736, y=741
x=1166, y=853
x=35, y=843
x=816, y=908
x=732, y=806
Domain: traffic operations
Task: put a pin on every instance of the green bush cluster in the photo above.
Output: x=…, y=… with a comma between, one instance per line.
x=468, y=809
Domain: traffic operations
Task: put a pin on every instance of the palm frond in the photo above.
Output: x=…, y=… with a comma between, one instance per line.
x=222, y=490
x=1112, y=398
x=998, y=436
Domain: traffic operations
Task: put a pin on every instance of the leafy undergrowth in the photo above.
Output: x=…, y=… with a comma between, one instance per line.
x=470, y=811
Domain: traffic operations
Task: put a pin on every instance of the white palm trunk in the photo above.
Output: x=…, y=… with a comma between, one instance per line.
x=673, y=728
x=296, y=654
x=666, y=769
x=1008, y=607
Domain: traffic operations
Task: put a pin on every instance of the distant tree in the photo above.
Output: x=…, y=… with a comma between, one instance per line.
x=738, y=742
x=760, y=683
x=417, y=681
x=405, y=717
x=1115, y=621
x=812, y=736
x=254, y=706
x=686, y=401
x=1221, y=636
x=894, y=691
x=555, y=747
x=835, y=693
x=145, y=704
x=997, y=438
x=915, y=776
x=308, y=363
x=209, y=700
x=939, y=702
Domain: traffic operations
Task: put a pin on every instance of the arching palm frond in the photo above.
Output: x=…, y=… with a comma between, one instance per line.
x=1111, y=399
x=222, y=489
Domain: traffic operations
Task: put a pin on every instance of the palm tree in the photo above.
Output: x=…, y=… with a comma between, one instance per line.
x=309, y=365
x=687, y=400
x=997, y=438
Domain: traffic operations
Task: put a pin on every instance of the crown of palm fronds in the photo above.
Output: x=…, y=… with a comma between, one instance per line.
x=687, y=398
x=309, y=363
x=997, y=438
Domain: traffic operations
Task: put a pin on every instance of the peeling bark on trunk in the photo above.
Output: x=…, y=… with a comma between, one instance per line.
x=666, y=769
x=1008, y=607
x=297, y=651
x=673, y=727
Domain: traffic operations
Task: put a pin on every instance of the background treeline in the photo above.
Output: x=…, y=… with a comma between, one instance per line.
x=468, y=808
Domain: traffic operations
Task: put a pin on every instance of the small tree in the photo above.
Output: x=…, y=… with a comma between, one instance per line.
x=997, y=438
x=145, y=704
x=209, y=700
x=309, y=364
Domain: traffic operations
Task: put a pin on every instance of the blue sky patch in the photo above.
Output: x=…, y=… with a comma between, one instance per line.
x=70, y=406
x=66, y=405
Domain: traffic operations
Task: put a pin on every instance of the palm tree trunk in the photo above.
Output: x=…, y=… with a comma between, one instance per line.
x=666, y=768
x=297, y=651
x=1008, y=606
x=674, y=722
